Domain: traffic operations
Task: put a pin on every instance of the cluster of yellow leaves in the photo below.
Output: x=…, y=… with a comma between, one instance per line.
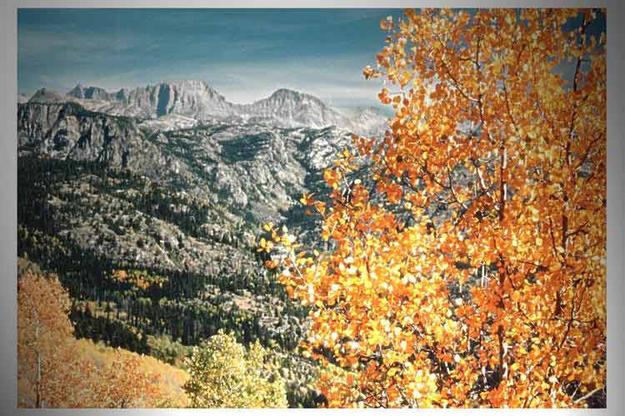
x=498, y=300
x=223, y=373
x=56, y=370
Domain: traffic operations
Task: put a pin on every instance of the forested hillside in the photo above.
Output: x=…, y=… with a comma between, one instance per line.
x=154, y=233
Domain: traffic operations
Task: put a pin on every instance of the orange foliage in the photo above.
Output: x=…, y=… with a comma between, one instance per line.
x=56, y=370
x=138, y=278
x=468, y=269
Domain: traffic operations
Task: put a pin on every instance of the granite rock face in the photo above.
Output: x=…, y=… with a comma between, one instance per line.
x=67, y=131
x=180, y=101
x=216, y=182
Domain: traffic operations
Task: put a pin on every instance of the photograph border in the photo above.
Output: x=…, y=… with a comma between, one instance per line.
x=615, y=190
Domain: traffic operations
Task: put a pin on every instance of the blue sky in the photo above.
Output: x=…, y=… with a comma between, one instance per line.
x=245, y=54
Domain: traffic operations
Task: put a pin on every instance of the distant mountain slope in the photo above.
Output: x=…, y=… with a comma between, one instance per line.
x=104, y=191
x=196, y=100
x=64, y=130
x=294, y=109
x=22, y=98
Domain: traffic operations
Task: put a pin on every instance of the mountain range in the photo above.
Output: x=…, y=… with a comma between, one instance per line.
x=175, y=104
x=171, y=184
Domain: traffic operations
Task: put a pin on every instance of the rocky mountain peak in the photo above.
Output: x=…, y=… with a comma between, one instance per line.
x=44, y=95
x=122, y=95
x=188, y=84
x=92, y=93
x=183, y=97
x=282, y=93
x=180, y=103
x=22, y=98
x=287, y=96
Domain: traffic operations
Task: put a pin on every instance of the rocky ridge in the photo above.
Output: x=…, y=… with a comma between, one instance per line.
x=196, y=100
x=214, y=182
